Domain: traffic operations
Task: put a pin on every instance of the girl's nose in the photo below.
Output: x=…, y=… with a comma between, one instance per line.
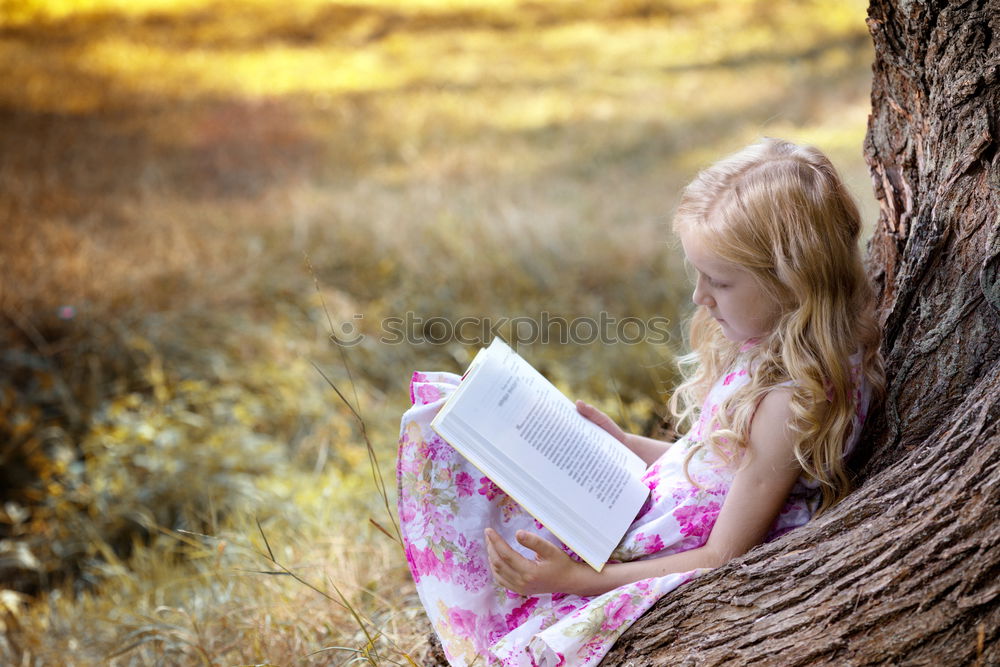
x=701, y=297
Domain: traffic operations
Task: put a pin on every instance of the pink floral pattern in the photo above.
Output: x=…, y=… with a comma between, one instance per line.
x=445, y=504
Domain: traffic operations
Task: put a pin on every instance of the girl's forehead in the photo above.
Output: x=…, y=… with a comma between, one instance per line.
x=698, y=251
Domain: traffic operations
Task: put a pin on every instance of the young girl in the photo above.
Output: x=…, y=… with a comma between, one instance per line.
x=784, y=359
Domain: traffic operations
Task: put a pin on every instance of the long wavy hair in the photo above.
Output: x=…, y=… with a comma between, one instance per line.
x=782, y=213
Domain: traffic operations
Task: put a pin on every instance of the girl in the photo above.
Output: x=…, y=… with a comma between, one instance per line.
x=784, y=360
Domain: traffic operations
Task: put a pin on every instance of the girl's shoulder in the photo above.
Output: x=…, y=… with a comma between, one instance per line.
x=740, y=371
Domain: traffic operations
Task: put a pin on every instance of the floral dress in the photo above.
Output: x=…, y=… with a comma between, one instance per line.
x=445, y=504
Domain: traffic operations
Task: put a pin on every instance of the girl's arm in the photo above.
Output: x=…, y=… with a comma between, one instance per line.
x=647, y=449
x=759, y=490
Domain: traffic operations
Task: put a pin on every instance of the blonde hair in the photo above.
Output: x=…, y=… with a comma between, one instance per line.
x=781, y=212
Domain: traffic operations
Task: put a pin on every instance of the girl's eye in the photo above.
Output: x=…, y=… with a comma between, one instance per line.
x=712, y=283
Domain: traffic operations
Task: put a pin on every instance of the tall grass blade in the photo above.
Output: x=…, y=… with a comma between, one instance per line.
x=270, y=553
x=372, y=458
x=382, y=530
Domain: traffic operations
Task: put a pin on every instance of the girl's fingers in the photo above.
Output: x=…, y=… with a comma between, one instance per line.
x=536, y=543
x=508, y=577
x=601, y=419
x=593, y=414
x=491, y=551
x=527, y=539
x=509, y=584
x=504, y=562
x=498, y=567
x=504, y=553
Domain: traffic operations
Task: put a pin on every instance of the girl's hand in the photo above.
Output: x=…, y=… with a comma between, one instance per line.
x=647, y=449
x=602, y=420
x=552, y=571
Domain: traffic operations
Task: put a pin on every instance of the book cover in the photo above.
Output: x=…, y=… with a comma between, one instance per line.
x=517, y=428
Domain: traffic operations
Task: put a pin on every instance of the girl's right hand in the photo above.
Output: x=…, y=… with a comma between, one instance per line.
x=602, y=420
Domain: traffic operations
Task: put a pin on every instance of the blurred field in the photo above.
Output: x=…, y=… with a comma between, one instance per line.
x=169, y=171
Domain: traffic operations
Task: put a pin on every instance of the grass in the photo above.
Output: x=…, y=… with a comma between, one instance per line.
x=170, y=167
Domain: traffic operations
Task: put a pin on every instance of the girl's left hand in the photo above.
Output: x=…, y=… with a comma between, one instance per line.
x=552, y=570
x=602, y=420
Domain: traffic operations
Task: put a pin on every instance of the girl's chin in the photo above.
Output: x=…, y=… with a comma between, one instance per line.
x=731, y=335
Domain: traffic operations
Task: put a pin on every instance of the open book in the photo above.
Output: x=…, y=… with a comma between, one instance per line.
x=573, y=476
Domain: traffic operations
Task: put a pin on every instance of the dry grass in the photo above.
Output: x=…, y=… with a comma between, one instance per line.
x=218, y=601
x=166, y=168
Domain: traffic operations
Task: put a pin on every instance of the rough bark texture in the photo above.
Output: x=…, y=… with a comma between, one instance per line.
x=907, y=569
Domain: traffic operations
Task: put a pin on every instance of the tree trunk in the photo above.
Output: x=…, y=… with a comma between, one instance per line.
x=907, y=568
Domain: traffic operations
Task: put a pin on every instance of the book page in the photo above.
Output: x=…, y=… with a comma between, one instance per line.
x=550, y=428
x=520, y=430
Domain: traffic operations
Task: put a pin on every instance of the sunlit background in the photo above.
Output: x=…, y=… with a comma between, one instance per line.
x=193, y=192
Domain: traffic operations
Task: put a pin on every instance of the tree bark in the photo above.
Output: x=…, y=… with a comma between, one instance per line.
x=907, y=568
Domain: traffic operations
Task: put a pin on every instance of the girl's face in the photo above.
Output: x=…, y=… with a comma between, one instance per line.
x=729, y=293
